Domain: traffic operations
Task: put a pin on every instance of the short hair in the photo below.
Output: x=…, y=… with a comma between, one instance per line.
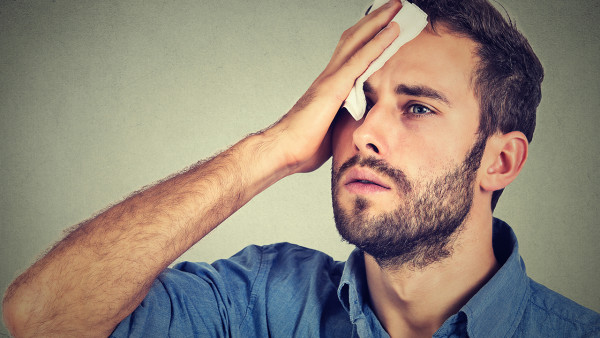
x=508, y=78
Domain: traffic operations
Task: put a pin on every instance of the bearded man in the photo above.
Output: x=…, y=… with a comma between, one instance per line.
x=415, y=180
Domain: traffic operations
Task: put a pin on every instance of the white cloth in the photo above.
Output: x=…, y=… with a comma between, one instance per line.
x=411, y=20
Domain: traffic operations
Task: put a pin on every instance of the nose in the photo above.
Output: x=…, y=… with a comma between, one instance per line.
x=370, y=137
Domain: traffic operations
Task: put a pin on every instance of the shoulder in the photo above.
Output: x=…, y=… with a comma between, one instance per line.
x=552, y=313
x=287, y=253
x=276, y=256
x=254, y=256
x=259, y=264
x=287, y=261
x=231, y=296
x=284, y=289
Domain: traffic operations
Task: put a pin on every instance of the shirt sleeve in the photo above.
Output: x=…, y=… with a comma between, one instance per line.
x=198, y=299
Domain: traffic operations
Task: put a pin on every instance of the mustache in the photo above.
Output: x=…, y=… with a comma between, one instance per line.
x=379, y=166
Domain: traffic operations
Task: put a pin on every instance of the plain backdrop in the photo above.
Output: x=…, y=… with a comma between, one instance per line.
x=100, y=98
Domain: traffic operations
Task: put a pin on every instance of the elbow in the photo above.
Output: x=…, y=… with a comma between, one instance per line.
x=26, y=313
x=21, y=309
x=14, y=314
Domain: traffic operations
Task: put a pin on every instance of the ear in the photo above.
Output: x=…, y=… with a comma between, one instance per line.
x=507, y=157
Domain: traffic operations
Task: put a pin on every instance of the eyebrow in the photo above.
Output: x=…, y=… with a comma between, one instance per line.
x=415, y=90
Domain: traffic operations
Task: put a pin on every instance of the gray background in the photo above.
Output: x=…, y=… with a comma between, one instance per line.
x=98, y=99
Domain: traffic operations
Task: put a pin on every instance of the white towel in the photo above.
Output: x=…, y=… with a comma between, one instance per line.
x=411, y=20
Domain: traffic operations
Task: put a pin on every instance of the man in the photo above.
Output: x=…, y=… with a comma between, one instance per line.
x=414, y=183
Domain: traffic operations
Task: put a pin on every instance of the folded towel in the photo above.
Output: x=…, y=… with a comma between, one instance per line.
x=411, y=20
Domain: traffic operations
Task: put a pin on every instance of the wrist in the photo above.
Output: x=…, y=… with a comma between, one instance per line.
x=261, y=162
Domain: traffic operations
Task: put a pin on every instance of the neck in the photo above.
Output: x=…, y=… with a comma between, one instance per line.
x=411, y=302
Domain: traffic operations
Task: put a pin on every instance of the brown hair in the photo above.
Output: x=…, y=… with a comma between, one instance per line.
x=508, y=79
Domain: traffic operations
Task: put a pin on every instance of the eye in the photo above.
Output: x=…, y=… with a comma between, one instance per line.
x=419, y=110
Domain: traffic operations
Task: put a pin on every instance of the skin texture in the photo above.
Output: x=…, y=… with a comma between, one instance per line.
x=84, y=286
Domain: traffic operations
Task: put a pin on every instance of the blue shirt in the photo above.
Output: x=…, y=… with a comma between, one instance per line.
x=284, y=290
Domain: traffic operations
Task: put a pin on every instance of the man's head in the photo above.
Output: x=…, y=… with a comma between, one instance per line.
x=508, y=78
x=434, y=109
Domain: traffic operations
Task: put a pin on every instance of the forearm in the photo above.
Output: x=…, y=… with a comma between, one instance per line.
x=102, y=270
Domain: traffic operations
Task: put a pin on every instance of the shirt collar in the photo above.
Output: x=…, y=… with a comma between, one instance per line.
x=353, y=285
x=353, y=293
x=496, y=309
x=493, y=311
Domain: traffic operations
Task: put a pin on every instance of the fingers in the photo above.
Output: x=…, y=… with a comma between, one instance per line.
x=357, y=36
x=361, y=59
x=302, y=132
x=341, y=81
x=324, y=98
x=333, y=87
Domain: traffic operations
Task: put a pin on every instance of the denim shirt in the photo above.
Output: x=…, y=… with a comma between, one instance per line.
x=284, y=290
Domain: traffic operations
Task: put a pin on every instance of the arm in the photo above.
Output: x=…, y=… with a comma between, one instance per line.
x=84, y=285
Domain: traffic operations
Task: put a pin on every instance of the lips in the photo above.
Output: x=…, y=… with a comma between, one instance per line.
x=363, y=176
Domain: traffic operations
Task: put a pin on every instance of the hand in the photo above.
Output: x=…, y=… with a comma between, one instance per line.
x=302, y=136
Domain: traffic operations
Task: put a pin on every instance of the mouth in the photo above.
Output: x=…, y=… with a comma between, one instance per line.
x=366, y=182
x=362, y=180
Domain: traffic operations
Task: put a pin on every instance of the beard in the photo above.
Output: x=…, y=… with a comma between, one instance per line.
x=422, y=229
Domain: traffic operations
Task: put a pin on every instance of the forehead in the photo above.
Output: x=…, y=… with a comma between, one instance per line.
x=438, y=59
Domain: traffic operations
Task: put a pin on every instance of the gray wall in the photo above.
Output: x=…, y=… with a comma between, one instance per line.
x=98, y=99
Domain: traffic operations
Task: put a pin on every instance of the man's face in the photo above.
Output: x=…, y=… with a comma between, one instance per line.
x=403, y=177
